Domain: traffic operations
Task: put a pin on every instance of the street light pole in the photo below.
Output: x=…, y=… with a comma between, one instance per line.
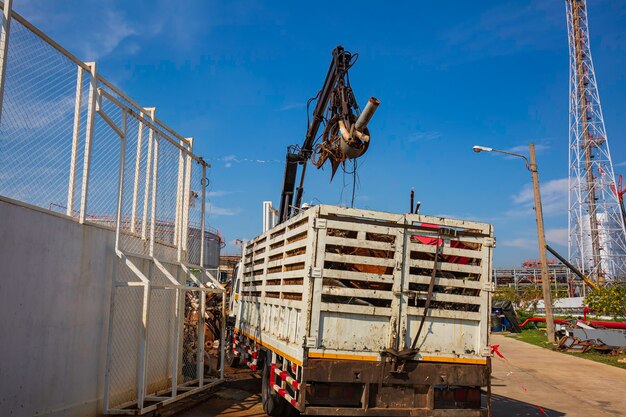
x=541, y=239
x=541, y=236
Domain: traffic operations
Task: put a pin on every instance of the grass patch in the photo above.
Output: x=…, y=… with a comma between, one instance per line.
x=538, y=337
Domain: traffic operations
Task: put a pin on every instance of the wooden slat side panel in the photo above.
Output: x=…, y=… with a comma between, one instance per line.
x=444, y=266
x=446, y=282
x=447, y=250
x=348, y=278
x=358, y=276
x=353, y=292
x=342, y=225
x=356, y=309
x=450, y=314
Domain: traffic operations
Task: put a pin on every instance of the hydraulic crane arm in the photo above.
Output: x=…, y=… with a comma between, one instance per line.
x=344, y=136
x=572, y=268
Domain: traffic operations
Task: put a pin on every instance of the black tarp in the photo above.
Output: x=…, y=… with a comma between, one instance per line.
x=506, y=308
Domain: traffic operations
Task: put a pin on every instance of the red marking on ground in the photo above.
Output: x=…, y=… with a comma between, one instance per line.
x=494, y=349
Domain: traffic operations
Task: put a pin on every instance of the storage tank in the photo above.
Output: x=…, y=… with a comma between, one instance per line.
x=612, y=244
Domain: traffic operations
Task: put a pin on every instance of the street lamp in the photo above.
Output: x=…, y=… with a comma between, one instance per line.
x=541, y=236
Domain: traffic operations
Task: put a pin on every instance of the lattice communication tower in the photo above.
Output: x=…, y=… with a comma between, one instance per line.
x=597, y=243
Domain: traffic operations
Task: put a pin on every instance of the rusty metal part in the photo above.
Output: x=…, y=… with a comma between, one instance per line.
x=340, y=142
x=337, y=108
x=366, y=116
x=573, y=344
x=409, y=394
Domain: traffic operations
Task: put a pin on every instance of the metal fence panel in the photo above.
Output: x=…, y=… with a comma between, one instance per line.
x=71, y=142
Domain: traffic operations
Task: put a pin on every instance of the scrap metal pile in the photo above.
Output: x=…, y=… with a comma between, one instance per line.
x=583, y=336
x=212, y=331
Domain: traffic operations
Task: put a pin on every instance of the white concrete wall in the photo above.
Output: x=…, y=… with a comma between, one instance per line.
x=55, y=286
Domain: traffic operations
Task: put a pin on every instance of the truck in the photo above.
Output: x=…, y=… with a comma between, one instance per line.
x=352, y=312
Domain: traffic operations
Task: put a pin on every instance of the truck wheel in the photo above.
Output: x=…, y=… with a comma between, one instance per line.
x=273, y=404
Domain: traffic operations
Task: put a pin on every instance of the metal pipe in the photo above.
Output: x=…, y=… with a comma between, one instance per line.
x=541, y=320
x=133, y=211
x=4, y=47
x=146, y=195
x=120, y=193
x=223, y=336
x=75, y=139
x=366, y=115
x=91, y=110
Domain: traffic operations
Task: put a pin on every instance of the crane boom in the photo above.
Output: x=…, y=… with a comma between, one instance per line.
x=344, y=137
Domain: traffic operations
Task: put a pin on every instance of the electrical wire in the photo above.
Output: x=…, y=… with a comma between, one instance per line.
x=308, y=103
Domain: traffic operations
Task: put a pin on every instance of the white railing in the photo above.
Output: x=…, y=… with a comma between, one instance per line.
x=70, y=141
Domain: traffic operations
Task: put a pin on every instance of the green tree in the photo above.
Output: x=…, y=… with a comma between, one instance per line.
x=506, y=294
x=608, y=301
x=529, y=297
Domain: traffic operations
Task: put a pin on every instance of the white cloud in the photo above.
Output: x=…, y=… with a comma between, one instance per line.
x=229, y=160
x=525, y=149
x=291, y=106
x=106, y=38
x=553, y=198
x=218, y=193
x=520, y=243
x=620, y=164
x=50, y=112
x=425, y=136
x=503, y=29
x=103, y=28
x=557, y=236
x=214, y=210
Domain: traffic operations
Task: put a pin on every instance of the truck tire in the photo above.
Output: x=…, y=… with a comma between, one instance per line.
x=273, y=404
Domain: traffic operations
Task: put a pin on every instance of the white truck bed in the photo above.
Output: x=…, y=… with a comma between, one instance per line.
x=344, y=283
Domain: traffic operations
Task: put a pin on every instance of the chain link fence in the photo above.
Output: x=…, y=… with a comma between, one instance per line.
x=73, y=143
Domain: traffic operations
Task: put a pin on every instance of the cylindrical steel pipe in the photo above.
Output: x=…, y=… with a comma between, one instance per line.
x=367, y=114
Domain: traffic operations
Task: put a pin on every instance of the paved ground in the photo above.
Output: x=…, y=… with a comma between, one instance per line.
x=530, y=381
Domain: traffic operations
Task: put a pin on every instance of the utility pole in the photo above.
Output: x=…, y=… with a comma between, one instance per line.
x=541, y=236
x=541, y=239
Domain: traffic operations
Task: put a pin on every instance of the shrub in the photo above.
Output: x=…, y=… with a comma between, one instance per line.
x=608, y=301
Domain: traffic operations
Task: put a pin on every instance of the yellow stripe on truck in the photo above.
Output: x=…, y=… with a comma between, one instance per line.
x=364, y=358
x=324, y=355
x=454, y=360
x=368, y=358
x=272, y=348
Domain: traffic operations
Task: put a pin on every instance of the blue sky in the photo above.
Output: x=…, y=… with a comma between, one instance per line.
x=236, y=77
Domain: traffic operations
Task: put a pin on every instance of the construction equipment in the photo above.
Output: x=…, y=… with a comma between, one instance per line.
x=357, y=312
x=345, y=135
x=572, y=268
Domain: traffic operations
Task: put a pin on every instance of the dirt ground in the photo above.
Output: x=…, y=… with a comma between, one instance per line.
x=529, y=381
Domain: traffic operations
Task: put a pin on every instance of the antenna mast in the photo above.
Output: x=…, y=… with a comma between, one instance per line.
x=597, y=243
